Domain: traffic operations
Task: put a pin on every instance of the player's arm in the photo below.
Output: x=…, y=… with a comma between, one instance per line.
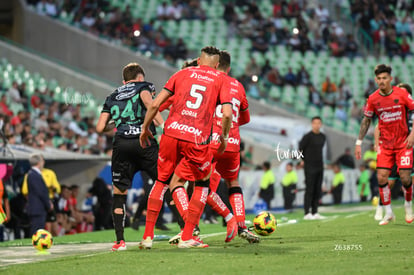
x=227, y=109
x=104, y=125
x=244, y=117
x=147, y=100
x=366, y=121
x=376, y=137
x=152, y=111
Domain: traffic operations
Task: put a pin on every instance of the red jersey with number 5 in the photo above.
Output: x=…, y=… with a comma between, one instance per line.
x=196, y=91
x=392, y=115
x=240, y=104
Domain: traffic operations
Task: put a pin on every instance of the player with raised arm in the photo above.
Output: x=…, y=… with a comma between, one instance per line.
x=390, y=104
x=184, y=146
x=125, y=109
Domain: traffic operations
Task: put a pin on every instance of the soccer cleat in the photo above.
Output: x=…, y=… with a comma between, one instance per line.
x=176, y=238
x=387, y=218
x=409, y=218
x=194, y=242
x=308, y=217
x=232, y=229
x=378, y=213
x=244, y=233
x=317, y=216
x=135, y=224
x=119, y=246
x=145, y=244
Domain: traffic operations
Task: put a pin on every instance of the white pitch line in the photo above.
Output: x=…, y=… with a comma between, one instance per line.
x=355, y=214
x=330, y=218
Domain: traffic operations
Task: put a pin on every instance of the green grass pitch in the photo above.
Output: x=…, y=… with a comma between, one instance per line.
x=348, y=242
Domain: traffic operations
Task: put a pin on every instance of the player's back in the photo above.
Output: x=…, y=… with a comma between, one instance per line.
x=127, y=109
x=239, y=102
x=196, y=92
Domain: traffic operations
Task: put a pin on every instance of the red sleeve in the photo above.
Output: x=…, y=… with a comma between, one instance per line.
x=369, y=108
x=244, y=104
x=166, y=104
x=244, y=117
x=170, y=85
x=409, y=101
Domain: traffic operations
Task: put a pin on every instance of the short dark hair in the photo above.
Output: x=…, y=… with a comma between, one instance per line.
x=210, y=50
x=190, y=63
x=406, y=86
x=225, y=60
x=382, y=68
x=266, y=164
x=131, y=71
x=316, y=117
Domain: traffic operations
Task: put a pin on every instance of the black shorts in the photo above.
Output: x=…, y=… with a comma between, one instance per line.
x=51, y=216
x=128, y=157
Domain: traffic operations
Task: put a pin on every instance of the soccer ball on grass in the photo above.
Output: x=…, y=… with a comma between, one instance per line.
x=42, y=240
x=264, y=223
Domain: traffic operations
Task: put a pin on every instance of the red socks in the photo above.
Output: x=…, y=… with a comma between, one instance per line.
x=181, y=201
x=214, y=180
x=237, y=203
x=218, y=205
x=195, y=210
x=408, y=192
x=385, y=194
x=155, y=200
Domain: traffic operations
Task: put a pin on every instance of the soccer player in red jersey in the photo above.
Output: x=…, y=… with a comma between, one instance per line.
x=391, y=105
x=184, y=146
x=227, y=165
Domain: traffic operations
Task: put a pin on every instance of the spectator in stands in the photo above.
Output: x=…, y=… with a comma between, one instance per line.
x=392, y=46
x=174, y=11
x=346, y=160
x=19, y=118
x=290, y=78
x=336, y=47
x=260, y=43
x=4, y=108
x=329, y=92
x=356, y=111
x=40, y=123
x=41, y=7
x=295, y=43
x=340, y=113
x=14, y=94
x=322, y=14
x=51, y=8
x=88, y=20
x=371, y=87
x=229, y=14
x=351, y=47
x=405, y=48
x=344, y=93
x=315, y=97
x=337, y=184
x=265, y=68
x=162, y=11
x=252, y=68
x=303, y=76
x=274, y=77
x=181, y=49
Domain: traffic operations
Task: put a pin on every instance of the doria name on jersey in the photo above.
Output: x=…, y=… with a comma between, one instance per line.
x=127, y=109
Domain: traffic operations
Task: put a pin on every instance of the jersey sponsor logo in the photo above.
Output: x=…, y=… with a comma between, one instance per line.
x=201, y=77
x=390, y=116
x=234, y=83
x=189, y=113
x=132, y=131
x=182, y=127
x=231, y=140
x=125, y=95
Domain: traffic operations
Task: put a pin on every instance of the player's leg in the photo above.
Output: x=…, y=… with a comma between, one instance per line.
x=317, y=195
x=385, y=161
x=404, y=161
x=309, y=190
x=161, y=169
x=197, y=162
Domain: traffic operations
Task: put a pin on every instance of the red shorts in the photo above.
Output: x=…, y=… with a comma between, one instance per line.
x=227, y=164
x=402, y=157
x=187, y=160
